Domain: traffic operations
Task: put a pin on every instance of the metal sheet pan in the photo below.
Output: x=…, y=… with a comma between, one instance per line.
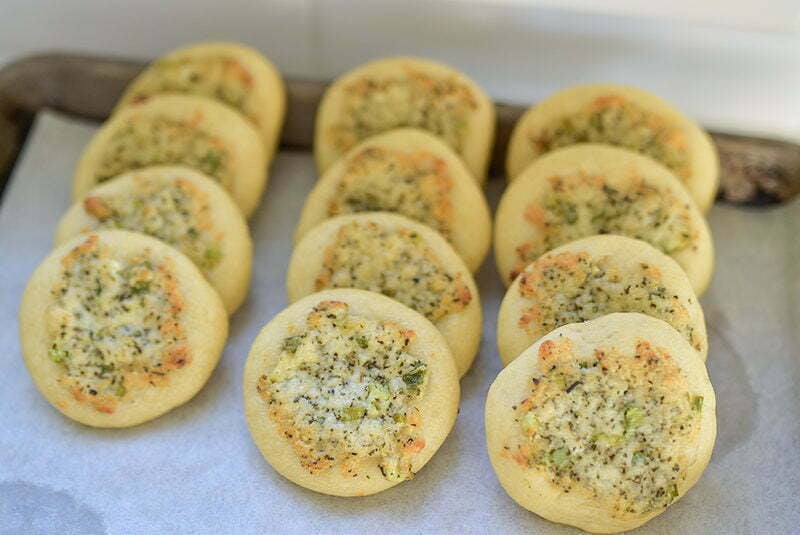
x=196, y=469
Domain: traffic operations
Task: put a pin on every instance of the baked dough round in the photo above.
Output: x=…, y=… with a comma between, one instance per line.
x=118, y=328
x=592, y=277
x=603, y=424
x=230, y=73
x=180, y=207
x=412, y=173
x=623, y=116
x=591, y=189
x=348, y=392
x=404, y=91
x=183, y=130
x=400, y=258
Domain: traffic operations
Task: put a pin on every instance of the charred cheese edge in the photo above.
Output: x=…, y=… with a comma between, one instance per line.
x=602, y=425
x=405, y=92
x=231, y=73
x=411, y=173
x=592, y=277
x=189, y=131
x=623, y=116
x=584, y=190
x=180, y=207
x=349, y=393
x=402, y=259
x=117, y=328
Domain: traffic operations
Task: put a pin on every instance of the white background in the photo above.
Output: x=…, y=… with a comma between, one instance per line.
x=733, y=64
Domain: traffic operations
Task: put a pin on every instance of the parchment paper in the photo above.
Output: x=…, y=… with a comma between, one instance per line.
x=195, y=470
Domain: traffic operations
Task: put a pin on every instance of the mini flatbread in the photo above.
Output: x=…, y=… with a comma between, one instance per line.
x=592, y=277
x=349, y=393
x=117, y=328
x=583, y=190
x=412, y=173
x=230, y=73
x=403, y=91
x=622, y=116
x=402, y=259
x=190, y=131
x=602, y=425
x=180, y=207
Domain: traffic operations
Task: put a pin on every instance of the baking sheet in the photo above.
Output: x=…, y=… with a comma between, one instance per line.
x=195, y=469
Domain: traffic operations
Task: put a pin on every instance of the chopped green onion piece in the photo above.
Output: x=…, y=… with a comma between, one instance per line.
x=354, y=412
x=58, y=355
x=212, y=255
x=377, y=391
x=211, y=161
x=634, y=416
x=608, y=439
x=292, y=343
x=560, y=457
x=415, y=377
x=140, y=286
x=697, y=403
x=673, y=490
x=362, y=342
x=529, y=424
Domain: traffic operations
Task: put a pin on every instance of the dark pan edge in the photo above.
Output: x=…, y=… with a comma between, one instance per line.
x=755, y=171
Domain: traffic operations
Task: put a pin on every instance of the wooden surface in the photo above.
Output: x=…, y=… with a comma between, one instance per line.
x=755, y=171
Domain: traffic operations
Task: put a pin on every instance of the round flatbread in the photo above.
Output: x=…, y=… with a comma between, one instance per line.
x=230, y=73
x=397, y=257
x=182, y=130
x=603, y=424
x=589, y=189
x=117, y=328
x=412, y=173
x=348, y=392
x=396, y=92
x=592, y=277
x=623, y=116
x=180, y=207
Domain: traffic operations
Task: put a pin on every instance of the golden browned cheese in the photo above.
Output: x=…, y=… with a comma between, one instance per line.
x=571, y=287
x=177, y=213
x=216, y=76
x=396, y=263
x=615, y=120
x=413, y=183
x=159, y=140
x=115, y=324
x=344, y=391
x=581, y=205
x=439, y=104
x=612, y=427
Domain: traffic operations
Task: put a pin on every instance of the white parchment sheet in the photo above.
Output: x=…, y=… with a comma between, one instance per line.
x=195, y=470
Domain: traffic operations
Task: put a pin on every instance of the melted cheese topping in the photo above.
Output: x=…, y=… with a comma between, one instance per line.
x=115, y=324
x=614, y=120
x=219, y=77
x=572, y=287
x=396, y=263
x=615, y=426
x=441, y=105
x=149, y=141
x=344, y=393
x=413, y=183
x=175, y=212
x=581, y=205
